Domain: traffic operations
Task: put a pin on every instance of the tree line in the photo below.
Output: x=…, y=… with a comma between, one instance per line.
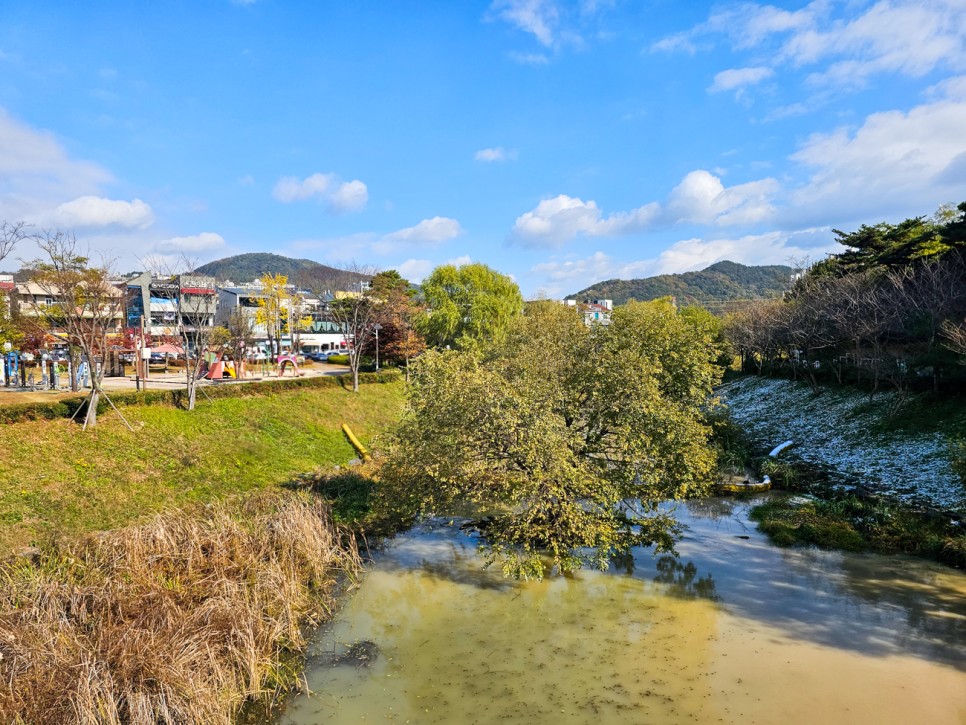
x=889, y=312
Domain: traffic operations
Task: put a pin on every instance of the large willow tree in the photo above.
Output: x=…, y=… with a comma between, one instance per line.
x=567, y=437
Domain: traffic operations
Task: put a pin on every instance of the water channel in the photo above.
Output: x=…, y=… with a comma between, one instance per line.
x=734, y=630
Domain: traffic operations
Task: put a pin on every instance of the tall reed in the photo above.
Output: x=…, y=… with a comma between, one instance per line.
x=178, y=620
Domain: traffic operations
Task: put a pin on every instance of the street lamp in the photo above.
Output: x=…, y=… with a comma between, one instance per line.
x=377, y=327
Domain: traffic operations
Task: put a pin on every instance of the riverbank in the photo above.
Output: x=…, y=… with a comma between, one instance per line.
x=900, y=450
x=863, y=475
x=59, y=482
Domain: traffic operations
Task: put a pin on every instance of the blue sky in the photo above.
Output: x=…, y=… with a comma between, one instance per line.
x=560, y=142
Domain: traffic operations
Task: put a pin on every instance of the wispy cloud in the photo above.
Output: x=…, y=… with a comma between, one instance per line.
x=847, y=43
x=738, y=78
x=537, y=17
x=495, y=154
x=429, y=231
x=196, y=243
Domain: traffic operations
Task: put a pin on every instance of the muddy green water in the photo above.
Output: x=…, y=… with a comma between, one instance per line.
x=733, y=631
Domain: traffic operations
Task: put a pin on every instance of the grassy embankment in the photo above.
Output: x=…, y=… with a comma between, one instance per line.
x=186, y=615
x=59, y=481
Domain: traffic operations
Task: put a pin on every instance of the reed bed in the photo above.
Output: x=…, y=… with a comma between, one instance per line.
x=182, y=619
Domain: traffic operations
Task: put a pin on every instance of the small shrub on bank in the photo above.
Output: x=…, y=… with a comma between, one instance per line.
x=182, y=619
x=735, y=451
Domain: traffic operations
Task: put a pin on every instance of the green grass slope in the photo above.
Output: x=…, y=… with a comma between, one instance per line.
x=57, y=480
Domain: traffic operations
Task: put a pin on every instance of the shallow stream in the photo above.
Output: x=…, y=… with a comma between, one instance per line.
x=734, y=630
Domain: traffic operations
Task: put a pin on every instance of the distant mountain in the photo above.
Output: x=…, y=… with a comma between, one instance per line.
x=243, y=268
x=721, y=282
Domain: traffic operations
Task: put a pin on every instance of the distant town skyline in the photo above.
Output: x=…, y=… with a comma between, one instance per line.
x=562, y=143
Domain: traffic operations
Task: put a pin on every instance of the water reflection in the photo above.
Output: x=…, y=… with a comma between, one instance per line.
x=873, y=604
x=733, y=630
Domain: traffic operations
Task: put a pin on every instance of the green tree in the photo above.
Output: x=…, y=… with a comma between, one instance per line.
x=468, y=305
x=568, y=436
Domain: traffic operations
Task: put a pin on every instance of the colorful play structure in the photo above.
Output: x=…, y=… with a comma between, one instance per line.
x=219, y=367
x=290, y=360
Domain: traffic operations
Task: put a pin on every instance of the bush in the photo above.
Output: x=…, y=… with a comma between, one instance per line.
x=339, y=359
x=732, y=443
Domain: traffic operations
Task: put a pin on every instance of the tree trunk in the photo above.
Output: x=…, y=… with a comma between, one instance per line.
x=90, y=420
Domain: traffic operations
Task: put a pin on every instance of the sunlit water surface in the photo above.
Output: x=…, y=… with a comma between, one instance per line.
x=734, y=630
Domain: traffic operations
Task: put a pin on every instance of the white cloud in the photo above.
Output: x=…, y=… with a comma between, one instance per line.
x=350, y=196
x=429, y=231
x=537, y=17
x=203, y=242
x=95, y=211
x=459, y=261
x=495, y=154
x=893, y=163
x=415, y=270
x=753, y=249
x=556, y=221
x=327, y=188
x=700, y=198
x=738, y=78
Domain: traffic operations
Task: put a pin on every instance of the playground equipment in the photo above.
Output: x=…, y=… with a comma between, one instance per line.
x=220, y=367
x=288, y=359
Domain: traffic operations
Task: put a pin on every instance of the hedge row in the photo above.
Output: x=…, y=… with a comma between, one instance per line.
x=67, y=407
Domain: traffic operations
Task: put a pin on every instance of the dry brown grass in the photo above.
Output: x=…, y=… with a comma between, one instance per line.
x=179, y=620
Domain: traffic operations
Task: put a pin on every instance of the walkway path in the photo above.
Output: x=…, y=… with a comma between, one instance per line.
x=156, y=381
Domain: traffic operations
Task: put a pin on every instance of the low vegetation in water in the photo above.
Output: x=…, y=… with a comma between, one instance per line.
x=184, y=618
x=855, y=523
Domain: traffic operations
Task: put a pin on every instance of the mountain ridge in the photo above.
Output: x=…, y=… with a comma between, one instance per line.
x=244, y=268
x=723, y=281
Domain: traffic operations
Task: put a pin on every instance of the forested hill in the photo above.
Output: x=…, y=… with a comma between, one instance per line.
x=246, y=267
x=721, y=282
